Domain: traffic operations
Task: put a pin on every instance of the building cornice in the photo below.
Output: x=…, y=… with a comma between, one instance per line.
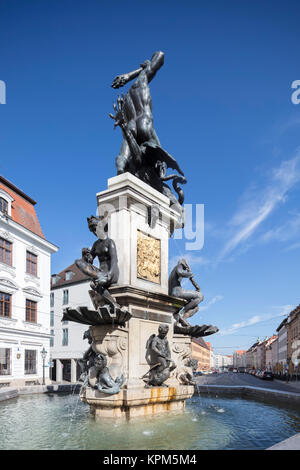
x=17, y=190
x=24, y=332
x=9, y=222
x=70, y=284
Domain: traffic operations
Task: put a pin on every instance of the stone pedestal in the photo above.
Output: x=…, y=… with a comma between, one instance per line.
x=137, y=402
x=142, y=249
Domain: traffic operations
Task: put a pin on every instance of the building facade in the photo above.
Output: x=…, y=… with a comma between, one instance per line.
x=274, y=351
x=261, y=355
x=270, y=356
x=293, y=340
x=282, y=346
x=69, y=288
x=25, y=257
x=201, y=351
x=239, y=359
x=221, y=361
x=251, y=356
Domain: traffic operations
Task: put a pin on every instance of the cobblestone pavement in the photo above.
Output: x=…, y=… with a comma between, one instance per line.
x=241, y=379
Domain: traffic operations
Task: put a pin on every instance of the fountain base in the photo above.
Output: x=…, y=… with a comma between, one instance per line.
x=136, y=402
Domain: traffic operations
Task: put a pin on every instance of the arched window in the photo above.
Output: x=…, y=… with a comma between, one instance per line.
x=3, y=206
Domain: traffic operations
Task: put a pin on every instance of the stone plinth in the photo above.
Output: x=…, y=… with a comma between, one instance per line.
x=140, y=221
x=125, y=348
x=148, y=311
x=137, y=402
x=142, y=249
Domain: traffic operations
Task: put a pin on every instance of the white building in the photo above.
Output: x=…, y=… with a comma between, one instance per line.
x=69, y=288
x=24, y=290
x=221, y=361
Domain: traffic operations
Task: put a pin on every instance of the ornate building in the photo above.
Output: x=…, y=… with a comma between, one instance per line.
x=25, y=257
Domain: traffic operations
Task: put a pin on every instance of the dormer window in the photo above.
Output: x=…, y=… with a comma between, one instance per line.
x=3, y=206
x=5, y=203
x=69, y=275
x=54, y=279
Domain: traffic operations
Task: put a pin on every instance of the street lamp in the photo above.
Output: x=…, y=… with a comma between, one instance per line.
x=43, y=354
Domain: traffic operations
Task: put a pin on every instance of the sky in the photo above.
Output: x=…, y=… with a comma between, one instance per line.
x=222, y=107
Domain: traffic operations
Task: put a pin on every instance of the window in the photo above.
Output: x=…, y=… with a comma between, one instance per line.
x=5, y=305
x=65, y=338
x=52, y=299
x=51, y=318
x=3, y=206
x=31, y=263
x=65, y=297
x=51, y=338
x=5, y=355
x=69, y=275
x=31, y=308
x=30, y=361
x=5, y=251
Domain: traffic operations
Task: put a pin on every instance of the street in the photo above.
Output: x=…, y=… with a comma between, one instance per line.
x=241, y=379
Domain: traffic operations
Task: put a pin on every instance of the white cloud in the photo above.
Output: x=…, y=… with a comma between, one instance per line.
x=258, y=204
x=215, y=299
x=294, y=246
x=284, y=310
x=285, y=232
x=193, y=259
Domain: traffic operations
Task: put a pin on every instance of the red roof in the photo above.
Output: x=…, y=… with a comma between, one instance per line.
x=77, y=276
x=22, y=207
x=201, y=342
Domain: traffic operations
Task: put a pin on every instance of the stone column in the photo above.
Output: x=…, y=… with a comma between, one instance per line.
x=59, y=372
x=142, y=247
x=73, y=371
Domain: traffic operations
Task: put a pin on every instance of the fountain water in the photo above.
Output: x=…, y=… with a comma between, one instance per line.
x=37, y=422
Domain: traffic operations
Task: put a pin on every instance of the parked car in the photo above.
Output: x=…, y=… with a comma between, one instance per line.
x=266, y=375
x=234, y=370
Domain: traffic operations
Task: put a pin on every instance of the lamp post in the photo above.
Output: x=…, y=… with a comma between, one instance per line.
x=43, y=354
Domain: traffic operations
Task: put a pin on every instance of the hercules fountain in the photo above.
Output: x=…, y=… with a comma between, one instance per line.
x=138, y=361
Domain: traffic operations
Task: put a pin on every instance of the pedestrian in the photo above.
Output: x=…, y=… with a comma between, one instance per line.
x=287, y=375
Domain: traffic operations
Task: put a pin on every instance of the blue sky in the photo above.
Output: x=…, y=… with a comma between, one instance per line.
x=222, y=106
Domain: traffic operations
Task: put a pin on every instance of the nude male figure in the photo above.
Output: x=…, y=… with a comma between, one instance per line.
x=137, y=114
